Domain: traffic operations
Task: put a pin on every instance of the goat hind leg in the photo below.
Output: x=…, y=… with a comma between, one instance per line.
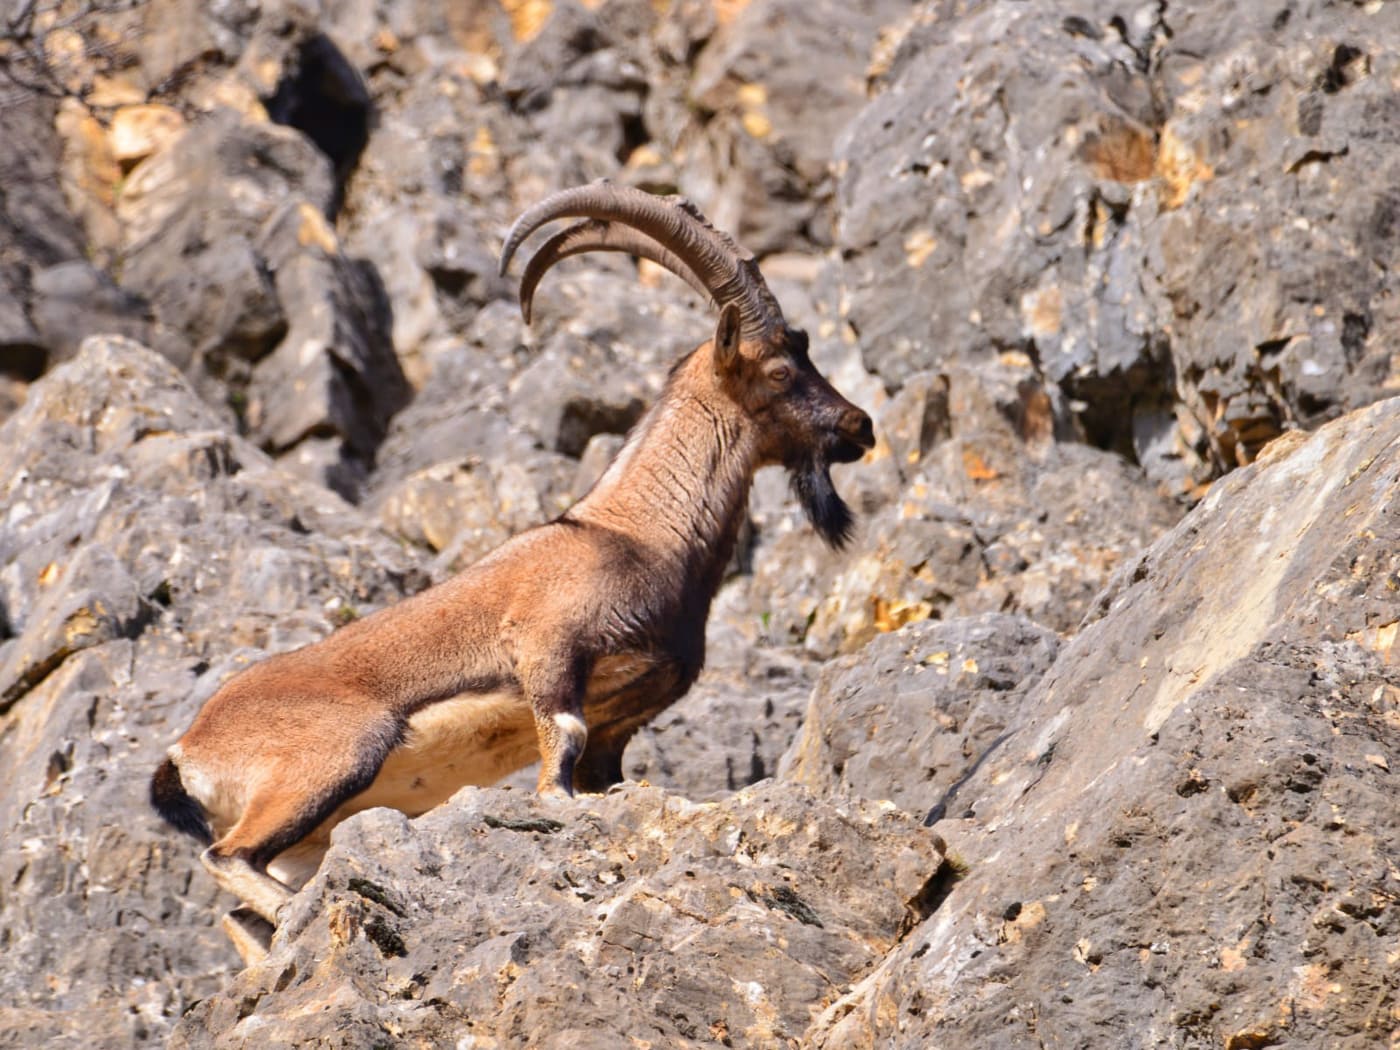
x=250, y=933
x=271, y=822
x=233, y=871
x=278, y=817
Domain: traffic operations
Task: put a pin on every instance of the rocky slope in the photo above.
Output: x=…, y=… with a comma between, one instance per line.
x=510, y=922
x=1184, y=836
x=1089, y=266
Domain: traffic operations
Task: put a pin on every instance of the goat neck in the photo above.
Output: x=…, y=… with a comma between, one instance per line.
x=681, y=482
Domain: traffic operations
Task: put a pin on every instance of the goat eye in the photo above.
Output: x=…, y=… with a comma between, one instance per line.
x=780, y=376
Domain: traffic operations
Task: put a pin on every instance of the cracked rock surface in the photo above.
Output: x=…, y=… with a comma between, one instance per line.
x=509, y=920
x=1087, y=265
x=1187, y=836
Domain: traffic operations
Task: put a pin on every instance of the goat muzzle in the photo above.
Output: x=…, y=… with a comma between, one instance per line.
x=855, y=436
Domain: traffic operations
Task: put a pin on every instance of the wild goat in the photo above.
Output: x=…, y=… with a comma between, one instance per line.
x=573, y=633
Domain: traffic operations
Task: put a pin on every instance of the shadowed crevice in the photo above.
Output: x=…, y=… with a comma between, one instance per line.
x=324, y=97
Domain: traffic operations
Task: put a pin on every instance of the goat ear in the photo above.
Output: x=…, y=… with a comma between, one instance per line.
x=727, y=338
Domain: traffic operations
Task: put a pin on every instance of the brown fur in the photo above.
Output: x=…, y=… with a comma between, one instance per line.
x=598, y=616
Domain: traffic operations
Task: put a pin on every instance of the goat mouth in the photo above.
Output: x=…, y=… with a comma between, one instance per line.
x=846, y=449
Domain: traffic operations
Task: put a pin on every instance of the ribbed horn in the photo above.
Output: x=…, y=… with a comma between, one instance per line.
x=596, y=235
x=727, y=272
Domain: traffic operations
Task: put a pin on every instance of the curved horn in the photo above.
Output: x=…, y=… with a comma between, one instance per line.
x=728, y=273
x=592, y=235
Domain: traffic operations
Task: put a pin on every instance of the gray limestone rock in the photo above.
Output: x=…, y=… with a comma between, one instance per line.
x=734, y=725
x=751, y=120
x=1170, y=208
x=51, y=297
x=911, y=716
x=73, y=300
x=192, y=216
x=1178, y=843
x=1087, y=259
x=226, y=232
x=501, y=919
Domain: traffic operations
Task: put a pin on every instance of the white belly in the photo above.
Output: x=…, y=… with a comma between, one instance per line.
x=476, y=738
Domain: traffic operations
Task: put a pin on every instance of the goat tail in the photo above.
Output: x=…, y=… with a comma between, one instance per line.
x=176, y=805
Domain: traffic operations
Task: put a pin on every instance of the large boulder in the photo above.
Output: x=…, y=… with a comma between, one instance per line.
x=201, y=224
x=503, y=920
x=911, y=716
x=226, y=232
x=1180, y=840
x=1172, y=209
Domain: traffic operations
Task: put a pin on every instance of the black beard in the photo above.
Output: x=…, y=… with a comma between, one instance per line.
x=825, y=509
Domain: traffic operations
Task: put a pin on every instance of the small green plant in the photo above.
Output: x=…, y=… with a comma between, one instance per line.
x=344, y=613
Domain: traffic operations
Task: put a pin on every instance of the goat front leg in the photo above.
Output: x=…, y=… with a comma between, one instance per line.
x=601, y=765
x=555, y=692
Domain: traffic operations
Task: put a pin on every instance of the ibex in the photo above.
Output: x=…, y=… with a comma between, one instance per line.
x=564, y=640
